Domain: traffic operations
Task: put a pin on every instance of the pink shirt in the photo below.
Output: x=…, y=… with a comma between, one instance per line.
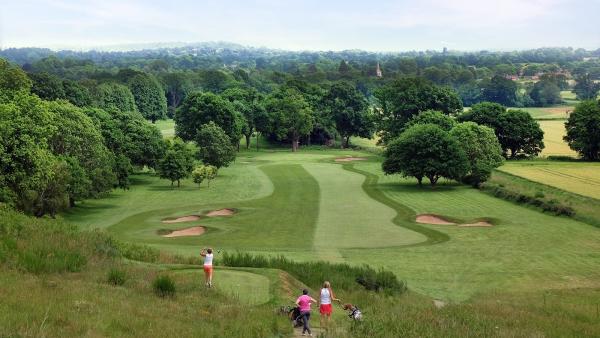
x=304, y=303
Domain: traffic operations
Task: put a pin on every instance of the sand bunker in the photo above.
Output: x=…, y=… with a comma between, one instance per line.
x=193, y=231
x=477, y=224
x=220, y=212
x=433, y=219
x=189, y=218
x=350, y=159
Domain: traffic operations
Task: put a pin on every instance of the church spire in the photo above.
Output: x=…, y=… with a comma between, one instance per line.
x=378, y=72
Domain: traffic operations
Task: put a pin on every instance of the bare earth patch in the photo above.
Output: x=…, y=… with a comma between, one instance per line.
x=433, y=219
x=350, y=159
x=189, y=218
x=477, y=224
x=193, y=231
x=220, y=212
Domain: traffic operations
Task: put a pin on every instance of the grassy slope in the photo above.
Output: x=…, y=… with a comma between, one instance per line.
x=283, y=220
x=577, y=177
x=149, y=193
x=526, y=250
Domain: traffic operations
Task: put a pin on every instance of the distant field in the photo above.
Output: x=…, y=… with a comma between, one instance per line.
x=569, y=97
x=554, y=130
x=554, y=112
x=166, y=127
x=577, y=177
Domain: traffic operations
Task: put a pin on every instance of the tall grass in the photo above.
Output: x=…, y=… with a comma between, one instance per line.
x=344, y=276
x=39, y=245
x=543, y=197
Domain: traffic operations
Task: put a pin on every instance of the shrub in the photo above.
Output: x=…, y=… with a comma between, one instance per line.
x=164, y=286
x=552, y=206
x=116, y=277
x=313, y=274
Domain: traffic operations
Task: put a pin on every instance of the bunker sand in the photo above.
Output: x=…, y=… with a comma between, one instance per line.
x=350, y=159
x=437, y=220
x=433, y=219
x=221, y=212
x=193, y=231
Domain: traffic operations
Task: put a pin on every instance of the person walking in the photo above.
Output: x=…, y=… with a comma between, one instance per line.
x=304, y=303
x=208, y=266
x=325, y=307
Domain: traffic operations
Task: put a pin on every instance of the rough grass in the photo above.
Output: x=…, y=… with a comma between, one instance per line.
x=581, y=178
x=586, y=209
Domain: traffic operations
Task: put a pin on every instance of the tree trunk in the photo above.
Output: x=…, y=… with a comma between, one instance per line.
x=420, y=180
x=178, y=184
x=248, y=136
x=71, y=201
x=257, y=141
x=295, y=144
x=348, y=141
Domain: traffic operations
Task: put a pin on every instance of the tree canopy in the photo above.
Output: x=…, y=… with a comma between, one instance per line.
x=482, y=149
x=349, y=110
x=425, y=150
x=290, y=115
x=583, y=130
x=201, y=108
x=149, y=97
x=214, y=146
x=403, y=98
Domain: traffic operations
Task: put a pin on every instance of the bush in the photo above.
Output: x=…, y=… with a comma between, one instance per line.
x=116, y=277
x=164, y=286
x=313, y=274
x=538, y=201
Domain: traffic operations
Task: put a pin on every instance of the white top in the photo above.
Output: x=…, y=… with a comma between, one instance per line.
x=208, y=259
x=325, y=296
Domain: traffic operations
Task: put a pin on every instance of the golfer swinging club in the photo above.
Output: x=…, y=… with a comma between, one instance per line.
x=208, y=266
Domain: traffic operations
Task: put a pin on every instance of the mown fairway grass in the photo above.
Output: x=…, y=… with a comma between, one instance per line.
x=525, y=250
x=306, y=206
x=581, y=178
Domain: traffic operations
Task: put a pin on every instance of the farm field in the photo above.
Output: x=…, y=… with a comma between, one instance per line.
x=307, y=206
x=554, y=130
x=576, y=177
x=554, y=112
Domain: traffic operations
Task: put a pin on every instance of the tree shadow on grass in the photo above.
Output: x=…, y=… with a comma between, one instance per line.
x=410, y=187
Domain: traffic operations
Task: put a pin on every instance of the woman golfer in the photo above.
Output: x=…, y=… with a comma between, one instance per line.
x=303, y=303
x=325, y=308
x=208, y=266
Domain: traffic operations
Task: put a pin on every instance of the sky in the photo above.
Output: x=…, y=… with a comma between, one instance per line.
x=375, y=25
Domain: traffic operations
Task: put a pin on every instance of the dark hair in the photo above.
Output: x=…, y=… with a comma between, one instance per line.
x=209, y=251
x=305, y=292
